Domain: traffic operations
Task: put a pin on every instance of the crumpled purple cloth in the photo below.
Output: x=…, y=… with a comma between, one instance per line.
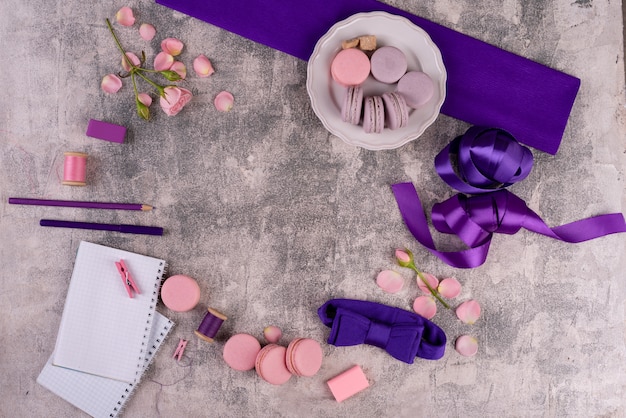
x=403, y=334
x=485, y=84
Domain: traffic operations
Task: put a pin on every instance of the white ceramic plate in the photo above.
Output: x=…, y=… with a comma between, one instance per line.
x=327, y=96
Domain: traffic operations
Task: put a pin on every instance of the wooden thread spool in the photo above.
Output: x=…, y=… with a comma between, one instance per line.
x=75, y=169
x=210, y=325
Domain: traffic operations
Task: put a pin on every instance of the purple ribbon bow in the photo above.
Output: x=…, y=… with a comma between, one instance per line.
x=403, y=334
x=484, y=161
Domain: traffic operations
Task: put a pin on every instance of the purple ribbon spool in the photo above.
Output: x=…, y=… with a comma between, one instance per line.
x=210, y=325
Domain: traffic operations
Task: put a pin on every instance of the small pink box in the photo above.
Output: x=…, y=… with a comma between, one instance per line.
x=348, y=383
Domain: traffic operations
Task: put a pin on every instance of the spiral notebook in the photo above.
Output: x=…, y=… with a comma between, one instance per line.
x=103, y=331
x=95, y=395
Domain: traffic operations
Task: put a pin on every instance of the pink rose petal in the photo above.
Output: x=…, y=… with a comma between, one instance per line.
x=172, y=46
x=432, y=281
x=124, y=16
x=425, y=306
x=145, y=99
x=202, y=66
x=224, y=101
x=390, y=281
x=466, y=345
x=468, y=311
x=147, y=31
x=133, y=58
x=180, y=69
x=449, y=288
x=272, y=334
x=111, y=83
x=163, y=61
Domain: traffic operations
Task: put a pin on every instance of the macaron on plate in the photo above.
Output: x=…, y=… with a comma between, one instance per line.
x=328, y=97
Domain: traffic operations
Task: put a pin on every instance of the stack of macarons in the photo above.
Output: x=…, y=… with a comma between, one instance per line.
x=388, y=65
x=274, y=363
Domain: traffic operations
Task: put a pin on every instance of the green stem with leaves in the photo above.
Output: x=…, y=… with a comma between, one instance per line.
x=432, y=291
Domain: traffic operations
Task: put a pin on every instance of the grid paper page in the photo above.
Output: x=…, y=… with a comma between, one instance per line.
x=103, y=331
x=100, y=396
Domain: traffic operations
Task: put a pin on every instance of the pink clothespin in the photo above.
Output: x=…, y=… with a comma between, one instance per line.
x=178, y=354
x=129, y=283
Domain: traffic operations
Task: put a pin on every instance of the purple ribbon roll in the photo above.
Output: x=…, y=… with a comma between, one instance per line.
x=483, y=160
x=485, y=85
x=403, y=334
x=475, y=219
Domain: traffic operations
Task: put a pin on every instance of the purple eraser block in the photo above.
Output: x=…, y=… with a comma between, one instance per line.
x=106, y=131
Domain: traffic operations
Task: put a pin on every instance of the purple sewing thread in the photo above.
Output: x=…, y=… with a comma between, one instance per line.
x=210, y=325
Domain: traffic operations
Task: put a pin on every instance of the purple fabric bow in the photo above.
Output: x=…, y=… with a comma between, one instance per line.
x=475, y=219
x=485, y=85
x=403, y=334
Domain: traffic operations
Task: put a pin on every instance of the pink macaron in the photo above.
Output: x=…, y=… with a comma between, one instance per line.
x=350, y=67
x=388, y=64
x=304, y=357
x=270, y=364
x=180, y=293
x=373, y=114
x=396, y=110
x=417, y=88
x=240, y=351
x=352, y=105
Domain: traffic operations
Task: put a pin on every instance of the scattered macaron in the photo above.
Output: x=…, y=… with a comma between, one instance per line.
x=396, y=110
x=352, y=105
x=350, y=67
x=304, y=357
x=373, y=114
x=388, y=64
x=417, y=88
x=272, y=334
x=240, y=352
x=180, y=293
x=270, y=364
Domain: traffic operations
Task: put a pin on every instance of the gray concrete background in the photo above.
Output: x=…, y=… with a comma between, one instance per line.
x=273, y=216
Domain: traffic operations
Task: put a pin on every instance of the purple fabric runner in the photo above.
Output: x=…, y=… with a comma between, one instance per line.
x=403, y=334
x=486, y=85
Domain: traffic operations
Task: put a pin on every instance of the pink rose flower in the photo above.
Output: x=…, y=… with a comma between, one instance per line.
x=175, y=99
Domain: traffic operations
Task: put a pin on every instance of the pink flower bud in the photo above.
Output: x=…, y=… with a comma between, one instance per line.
x=163, y=61
x=180, y=69
x=175, y=99
x=145, y=99
x=468, y=312
x=134, y=59
x=390, y=281
x=124, y=16
x=172, y=46
x=466, y=345
x=425, y=306
x=224, y=101
x=147, y=31
x=202, y=66
x=111, y=83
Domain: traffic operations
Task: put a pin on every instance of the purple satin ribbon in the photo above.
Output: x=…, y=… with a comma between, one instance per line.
x=403, y=334
x=484, y=161
x=485, y=85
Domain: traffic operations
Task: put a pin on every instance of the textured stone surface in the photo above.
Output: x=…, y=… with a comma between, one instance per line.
x=273, y=216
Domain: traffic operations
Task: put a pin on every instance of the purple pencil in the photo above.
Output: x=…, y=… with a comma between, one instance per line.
x=77, y=204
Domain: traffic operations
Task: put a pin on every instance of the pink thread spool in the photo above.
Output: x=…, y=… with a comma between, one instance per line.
x=75, y=169
x=210, y=325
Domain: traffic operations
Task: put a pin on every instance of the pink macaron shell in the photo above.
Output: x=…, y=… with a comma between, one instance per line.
x=180, y=293
x=270, y=364
x=240, y=351
x=304, y=357
x=350, y=67
x=417, y=88
x=388, y=64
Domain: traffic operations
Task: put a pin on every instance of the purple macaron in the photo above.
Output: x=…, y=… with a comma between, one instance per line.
x=388, y=64
x=373, y=114
x=352, y=105
x=396, y=110
x=417, y=88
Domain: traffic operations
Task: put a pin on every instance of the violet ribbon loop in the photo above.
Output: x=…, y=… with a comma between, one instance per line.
x=403, y=334
x=482, y=160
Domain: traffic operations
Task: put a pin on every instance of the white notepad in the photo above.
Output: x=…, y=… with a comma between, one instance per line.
x=95, y=395
x=103, y=331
